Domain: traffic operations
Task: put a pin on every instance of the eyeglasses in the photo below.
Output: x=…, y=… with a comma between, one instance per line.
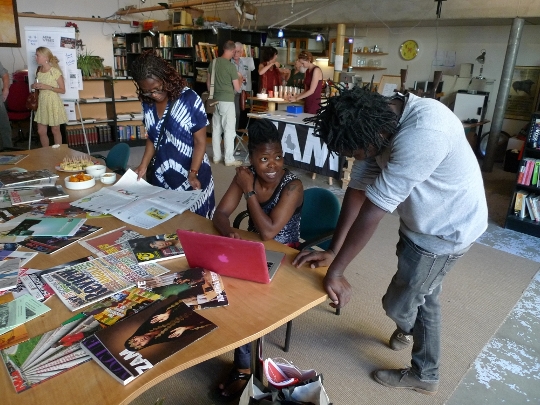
x=152, y=93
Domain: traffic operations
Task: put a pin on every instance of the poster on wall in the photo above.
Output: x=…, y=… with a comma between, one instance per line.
x=9, y=24
x=523, y=95
x=59, y=40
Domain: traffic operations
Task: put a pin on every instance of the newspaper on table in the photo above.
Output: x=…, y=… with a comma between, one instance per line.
x=138, y=203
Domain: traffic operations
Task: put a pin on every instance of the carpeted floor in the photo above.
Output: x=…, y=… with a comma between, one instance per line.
x=478, y=294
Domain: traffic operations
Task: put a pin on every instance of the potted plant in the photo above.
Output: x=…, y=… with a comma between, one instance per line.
x=90, y=65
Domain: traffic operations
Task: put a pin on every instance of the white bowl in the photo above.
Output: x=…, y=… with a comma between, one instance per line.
x=108, y=178
x=79, y=185
x=262, y=95
x=96, y=170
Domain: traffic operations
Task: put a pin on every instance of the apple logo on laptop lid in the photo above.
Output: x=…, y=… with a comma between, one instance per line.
x=223, y=258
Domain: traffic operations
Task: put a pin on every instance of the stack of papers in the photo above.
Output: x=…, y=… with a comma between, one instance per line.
x=138, y=203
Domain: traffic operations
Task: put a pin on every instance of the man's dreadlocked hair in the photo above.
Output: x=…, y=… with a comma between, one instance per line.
x=354, y=120
x=150, y=66
x=262, y=131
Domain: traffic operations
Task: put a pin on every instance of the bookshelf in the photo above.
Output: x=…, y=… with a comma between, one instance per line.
x=111, y=113
x=527, y=185
x=120, y=57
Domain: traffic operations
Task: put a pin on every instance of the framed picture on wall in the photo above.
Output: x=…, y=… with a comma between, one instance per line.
x=9, y=24
x=523, y=95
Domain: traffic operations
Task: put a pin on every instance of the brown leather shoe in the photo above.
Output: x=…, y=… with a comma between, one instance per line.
x=405, y=379
x=399, y=340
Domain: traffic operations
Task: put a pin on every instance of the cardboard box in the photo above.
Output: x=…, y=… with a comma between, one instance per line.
x=161, y=26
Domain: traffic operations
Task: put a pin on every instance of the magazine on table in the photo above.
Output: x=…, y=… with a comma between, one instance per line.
x=110, y=242
x=9, y=213
x=85, y=283
x=36, y=194
x=21, y=310
x=48, y=245
x=138, y=203
x=33, y=177
x=62, y=209
x=197, y=287
x=124, y=303
x=9, y=273
x=47, y=355
x=47, y=227
x=11, y=159
x=17, y=335
x=156, y=248
x=131, y=347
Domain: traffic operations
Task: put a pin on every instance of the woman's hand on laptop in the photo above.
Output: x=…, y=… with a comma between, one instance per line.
x=314, y=258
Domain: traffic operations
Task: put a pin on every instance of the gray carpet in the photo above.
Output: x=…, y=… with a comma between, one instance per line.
x=348, y=348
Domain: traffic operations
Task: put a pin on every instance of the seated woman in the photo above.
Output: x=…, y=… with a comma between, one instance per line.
x=274, y=200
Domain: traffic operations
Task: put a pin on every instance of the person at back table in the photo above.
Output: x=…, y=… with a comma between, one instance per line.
x=274, y=198
x=172, y=109
x=270, y=72
x=244, y=65
x=50, y=83
x=312, y=84
x=227, y=82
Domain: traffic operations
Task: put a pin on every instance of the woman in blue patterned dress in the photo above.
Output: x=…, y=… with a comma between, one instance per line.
x=176, y=123
x=274, y=198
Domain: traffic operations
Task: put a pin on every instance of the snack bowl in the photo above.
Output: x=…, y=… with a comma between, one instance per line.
x=81, y=184
x=108, y=178
x=96, y=170
x=263, y=96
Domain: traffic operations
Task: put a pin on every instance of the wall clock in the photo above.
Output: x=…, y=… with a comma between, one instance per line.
x=409, y=49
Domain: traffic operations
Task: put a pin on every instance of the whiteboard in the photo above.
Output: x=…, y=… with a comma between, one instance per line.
x=60, y=41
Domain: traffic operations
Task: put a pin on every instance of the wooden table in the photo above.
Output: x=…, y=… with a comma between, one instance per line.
x=254, y=310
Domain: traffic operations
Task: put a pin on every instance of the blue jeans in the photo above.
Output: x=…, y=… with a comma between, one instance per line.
x=242, y=356
x=412, y=302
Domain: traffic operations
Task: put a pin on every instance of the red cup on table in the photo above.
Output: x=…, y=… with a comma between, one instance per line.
x=270, y=93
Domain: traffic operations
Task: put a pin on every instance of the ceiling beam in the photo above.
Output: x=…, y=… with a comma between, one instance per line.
x=64, y=17
x=178, y=4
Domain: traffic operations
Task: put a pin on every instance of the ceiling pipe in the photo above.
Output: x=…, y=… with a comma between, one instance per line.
x=302, y=14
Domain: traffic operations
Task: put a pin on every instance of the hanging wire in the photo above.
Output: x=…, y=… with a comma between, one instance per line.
x=386, y=25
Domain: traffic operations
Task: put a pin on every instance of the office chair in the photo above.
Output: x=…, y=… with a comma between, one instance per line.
x=117, y=158
x=320, y=213
x=16, y=101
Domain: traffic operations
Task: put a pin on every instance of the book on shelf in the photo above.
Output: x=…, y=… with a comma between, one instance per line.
x=21, y=310
x=132, y=347
x=85, y=283
x=32, y=177
x=532, y=201
x=15, y=336
x=48, y=227
x=122, y=304
x=110, y=242
x=9, y=273
x=156, y=248
x=50, y=354
x=49, y=245
x=197, y=287
x=11, y=159
x=519, y=203
x=36, y=194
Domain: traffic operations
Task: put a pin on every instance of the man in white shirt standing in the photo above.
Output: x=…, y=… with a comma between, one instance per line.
x=5, y=126
x=244, y=65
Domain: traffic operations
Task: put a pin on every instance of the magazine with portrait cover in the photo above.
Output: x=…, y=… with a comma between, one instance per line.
x=197, y=287
x=156, y=248
x=131, y=347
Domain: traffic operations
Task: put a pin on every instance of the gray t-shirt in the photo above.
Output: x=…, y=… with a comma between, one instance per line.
x=430, y=175
x=3, y=71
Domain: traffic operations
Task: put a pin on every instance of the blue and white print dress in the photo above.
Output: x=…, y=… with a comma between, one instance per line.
x=173, y=158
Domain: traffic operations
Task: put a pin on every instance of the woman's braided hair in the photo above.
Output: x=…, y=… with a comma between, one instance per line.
x=354, y=120
x=150, y=66
x=262, y=131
